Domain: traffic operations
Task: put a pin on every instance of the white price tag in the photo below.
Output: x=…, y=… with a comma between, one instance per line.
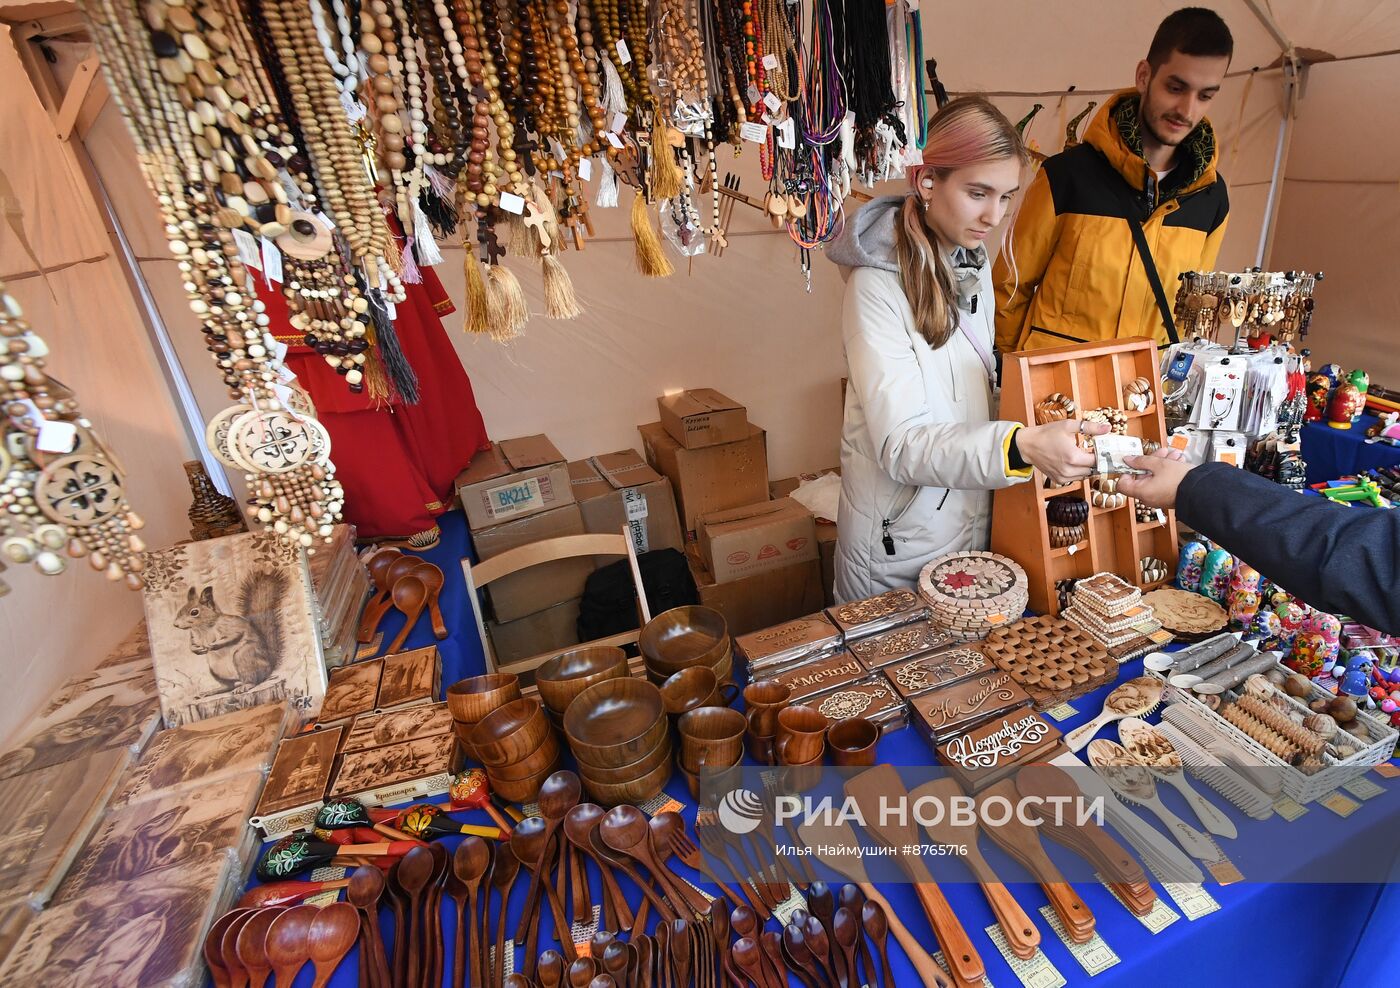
x=787, y=134
x=512, y=203
x=850, y=120
x=558, y=149
x=248, y=251
x=757, y=133
x=619, y=121
x=271, y=262
x=770, y=61
x=623, y=54
x=615, y=141
x=585, y=169
x=279, y=349
x=283, y=393
x=354, y=110
x=1073, y=549
x=772, y=102
x=56, y=437
x=321, y=215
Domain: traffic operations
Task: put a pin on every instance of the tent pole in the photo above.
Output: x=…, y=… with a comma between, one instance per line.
x=1285, y=142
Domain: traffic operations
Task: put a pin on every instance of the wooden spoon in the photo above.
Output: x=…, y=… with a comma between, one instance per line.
x=434, y=939
x=846, y=930
x=286, y=893
x=415, y=871
x=550, y=969
x=252, y=946
x=661, y=843
x=1022, y=935
x=624, y=864
x=579, y=822
x=750, y=958
x=503, y=874
x=399, y=902
x=378, y=567
x=877, y=928
x=819, y=943
x=559, y=794
x=333, y=933
x=228, y=950
x=603, y=981
x=799, y=958
x=852, y=898
x=719, y=919
x=615, y=958
x=821, y=903
x=469, y=863
x=646, y=954
x=681, y=950
x=214, y=947
x=625, y=830
x=528, y=841
x=287, y=943
x=582, y=971
x=410, y=596
x=431, y=578
x=366, y=889
x=772, y=947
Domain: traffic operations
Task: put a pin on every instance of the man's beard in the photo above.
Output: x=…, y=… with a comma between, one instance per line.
x=1151, y=127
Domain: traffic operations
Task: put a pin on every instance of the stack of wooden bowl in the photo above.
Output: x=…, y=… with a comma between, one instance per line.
x=519, y=747
x=469, y=700
x=687, y=636
x=568, y=674
x=620, y=735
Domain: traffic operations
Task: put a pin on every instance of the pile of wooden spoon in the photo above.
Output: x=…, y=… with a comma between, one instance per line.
x=248, y=946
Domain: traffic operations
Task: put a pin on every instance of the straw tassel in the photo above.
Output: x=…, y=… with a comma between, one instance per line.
x=666, y=178
x=478, y=321
x=521, y=239
x=651, y=259
x=424, y=244
x=607, y=184
x=509, y=310
x=560, y=302
x=409, y=273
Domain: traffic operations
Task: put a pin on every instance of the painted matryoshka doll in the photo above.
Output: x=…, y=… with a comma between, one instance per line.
x=1215, y=574
x=1318, y=389
x=1291, y=615
x=1188, y=569
x=1266, y=627
x=1344, y=406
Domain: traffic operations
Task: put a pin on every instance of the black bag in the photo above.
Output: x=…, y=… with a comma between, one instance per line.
x=609, y=605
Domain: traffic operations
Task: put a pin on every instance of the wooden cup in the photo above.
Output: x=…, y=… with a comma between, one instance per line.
x=711, y=737
x=763, y=700
x=852, y=741
x=697, y=686
x=801, y=735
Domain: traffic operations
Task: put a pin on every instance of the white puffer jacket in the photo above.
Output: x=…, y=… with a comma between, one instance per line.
x=919, y=452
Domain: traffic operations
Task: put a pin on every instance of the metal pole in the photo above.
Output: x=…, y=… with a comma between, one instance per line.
x=1269, y=226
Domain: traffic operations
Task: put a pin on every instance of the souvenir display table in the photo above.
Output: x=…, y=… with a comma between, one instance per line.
x=1251, y=925
x=1331, y=453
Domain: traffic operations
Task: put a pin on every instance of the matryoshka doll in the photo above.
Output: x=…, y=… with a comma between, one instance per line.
x=1344, y=406
x=1266, y=627
x=1215, y=574
x=1188, y=569
x=1291, y=615
x=1318, y=389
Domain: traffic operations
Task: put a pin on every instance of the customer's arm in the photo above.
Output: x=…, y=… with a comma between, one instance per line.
x=1336, y=558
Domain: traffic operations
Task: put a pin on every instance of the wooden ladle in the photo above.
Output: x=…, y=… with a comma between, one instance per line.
x=415, y=871
x=333, y=933
x=214, y=947
x=432, y=580
x=469, y=863
x=410, y=596
x=579, y=822
x=228, y=950
x=288, y=942
x=379, y=566
x=625, y=830
x=252, y=946
x=366, y=889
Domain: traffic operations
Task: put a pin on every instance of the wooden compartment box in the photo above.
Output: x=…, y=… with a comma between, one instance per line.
x=1094, y=376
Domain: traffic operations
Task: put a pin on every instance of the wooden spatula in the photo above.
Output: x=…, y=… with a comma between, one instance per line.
x=1021, y=934
x=883, y=783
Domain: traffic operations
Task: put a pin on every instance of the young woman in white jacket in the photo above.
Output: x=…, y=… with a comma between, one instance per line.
x=920, y=450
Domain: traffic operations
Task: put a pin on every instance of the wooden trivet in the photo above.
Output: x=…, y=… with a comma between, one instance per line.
x=1051, y=658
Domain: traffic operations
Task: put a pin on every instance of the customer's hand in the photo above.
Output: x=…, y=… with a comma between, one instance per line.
x=1053, y=449
x=1167, y=468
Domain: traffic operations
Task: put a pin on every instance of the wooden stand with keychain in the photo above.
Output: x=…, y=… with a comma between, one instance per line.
x=1090, y=376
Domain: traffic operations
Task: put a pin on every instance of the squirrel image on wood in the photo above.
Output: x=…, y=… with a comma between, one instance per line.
x=242, y=648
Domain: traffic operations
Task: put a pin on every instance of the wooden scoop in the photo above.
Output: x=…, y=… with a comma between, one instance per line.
x=1023, y=843
x=432, y=580
x=410, y=596
x=333, y=933
x=883, y=783
x=379, y=566
x=252, y=946
x=817, y=836
x=1021, y=934
x=213, y=947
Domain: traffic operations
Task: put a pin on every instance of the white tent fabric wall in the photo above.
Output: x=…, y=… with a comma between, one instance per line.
x=52, y=628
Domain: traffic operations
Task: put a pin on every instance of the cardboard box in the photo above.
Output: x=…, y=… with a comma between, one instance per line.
x=759, y=601
x=703, y=417
x=544, y=631
x=512, y=479
x=826, y=530
x=709, y=479
x=745, y=541
x=531, y=590
x=616, y=489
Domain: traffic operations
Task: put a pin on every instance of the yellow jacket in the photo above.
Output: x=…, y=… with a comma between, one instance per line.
x=1076, y=276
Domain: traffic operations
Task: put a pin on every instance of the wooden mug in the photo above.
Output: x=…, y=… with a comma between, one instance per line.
x=852, y=741
x=696, y=686
x=801, y=735
x=763, y=700
x=711, y=738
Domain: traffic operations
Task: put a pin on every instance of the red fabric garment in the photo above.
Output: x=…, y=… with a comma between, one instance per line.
x=396, y=463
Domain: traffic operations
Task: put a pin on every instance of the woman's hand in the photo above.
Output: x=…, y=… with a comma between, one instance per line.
x=1053, y=449
x=1157, y=489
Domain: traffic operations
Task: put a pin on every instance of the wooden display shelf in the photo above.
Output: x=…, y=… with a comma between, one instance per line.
x=1093, y=375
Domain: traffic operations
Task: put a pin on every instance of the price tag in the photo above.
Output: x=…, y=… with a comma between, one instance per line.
x=757, y=133
x=512, y=203
x=772, y=102
x=615, y=141
x=585, y=169
x=623, y=54
x=1073, y=549
x=354, y=110
x=1193, y=900
x=770, y=61
x=787, y=134
x=1287, y=808
x=558, y=149
x=1063, y=712
x=279, y=349
x=56, y=436
x=1035, y=971
x=1094, y=956
x=1363, y=788
x=619, y=121
x=285, y=375
x=271, y=262
x=752, y=94
x=1339, y=804
x=1388, y=771
x=283, y=393
x=248, y=251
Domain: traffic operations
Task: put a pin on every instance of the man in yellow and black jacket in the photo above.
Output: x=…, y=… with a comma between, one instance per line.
x=1071, y=270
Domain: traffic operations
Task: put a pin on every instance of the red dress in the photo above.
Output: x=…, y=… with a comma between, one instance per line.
x=396, y=463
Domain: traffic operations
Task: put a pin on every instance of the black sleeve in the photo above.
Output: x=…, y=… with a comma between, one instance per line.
x=1334, y=557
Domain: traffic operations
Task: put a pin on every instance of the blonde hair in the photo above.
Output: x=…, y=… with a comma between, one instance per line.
x=967, y=131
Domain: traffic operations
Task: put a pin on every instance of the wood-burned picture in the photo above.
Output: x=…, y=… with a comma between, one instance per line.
x=392, y=764
x=409, y=677
x=232, y=626
x=135, y=676
x=373, y=730
x=198, y=754
x=301, y=771
x=123, y=935
x=169, y=831
x=136, y=645
x=352, y=690
x=123, y=713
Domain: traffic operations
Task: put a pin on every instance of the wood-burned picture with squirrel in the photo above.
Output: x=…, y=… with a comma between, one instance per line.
x=232, y=626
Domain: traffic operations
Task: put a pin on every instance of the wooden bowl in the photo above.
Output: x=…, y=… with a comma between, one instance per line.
x=521, y=790
x=637, y=791
x=463, y=733
x=615, y=722
x=469, y=700
x=632, y=771
x=545, y=755
x=570, y=673
x=508, y=734
x=684, y=636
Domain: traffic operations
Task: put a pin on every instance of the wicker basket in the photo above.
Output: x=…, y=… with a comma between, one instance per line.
x=1299, y=785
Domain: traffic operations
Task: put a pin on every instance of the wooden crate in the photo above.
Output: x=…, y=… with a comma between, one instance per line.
x=1094, y=375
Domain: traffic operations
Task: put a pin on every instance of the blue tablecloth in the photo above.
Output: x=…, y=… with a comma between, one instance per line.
x=1287, y=935
x=1331, y=453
